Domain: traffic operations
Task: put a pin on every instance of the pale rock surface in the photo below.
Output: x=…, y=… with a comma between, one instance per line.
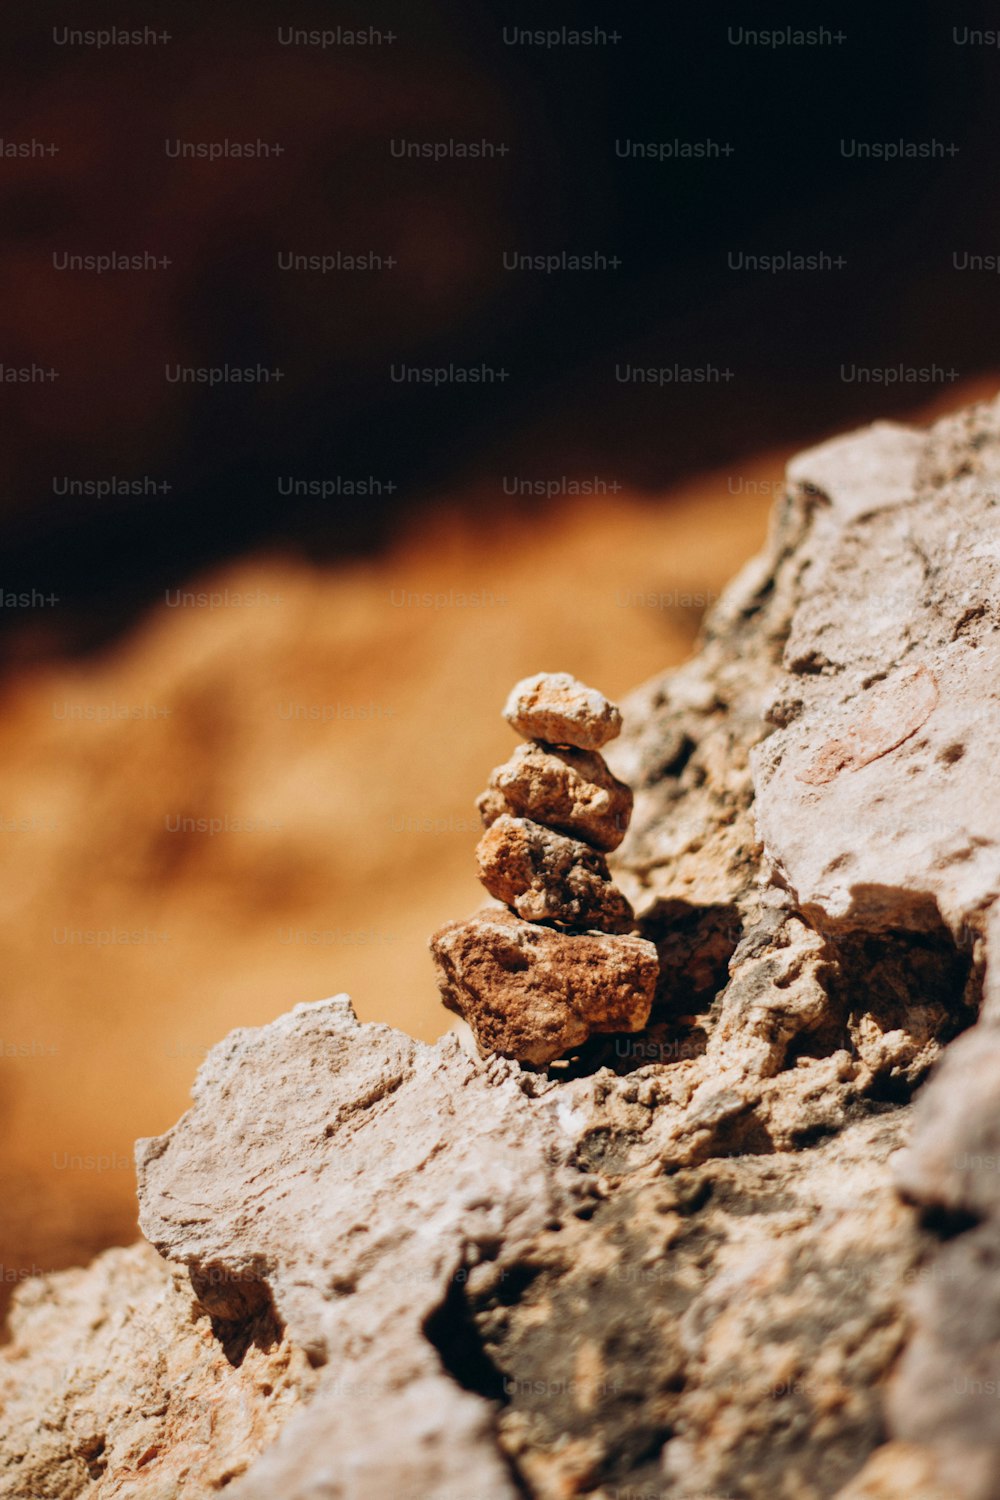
x=533, y=993
x=901, y=1471
x=945, y=1393
x=569, y=790
x=556, y=708
x=547, y=877
x=876, y=803
x=351, y=1177
x=114, y=1384
x=870, y=800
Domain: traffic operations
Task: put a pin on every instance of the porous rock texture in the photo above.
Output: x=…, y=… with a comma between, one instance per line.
x=559, y=710
x=569, y=790
x=749, y=1252
x=546, y=877
x=366, y=1177
x=532, y=993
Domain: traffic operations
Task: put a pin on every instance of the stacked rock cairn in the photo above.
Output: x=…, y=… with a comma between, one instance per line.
x=560, y=963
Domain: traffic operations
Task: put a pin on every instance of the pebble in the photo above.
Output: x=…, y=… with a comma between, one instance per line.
x=557, y=709
x=546, y=877
x=569, y=790
x=533, y=993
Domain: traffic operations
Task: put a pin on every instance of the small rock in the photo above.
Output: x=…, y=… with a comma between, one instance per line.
x=490, y=806
x=532, y=993
x=547, y=877
x=556, y=708
x=569, y=790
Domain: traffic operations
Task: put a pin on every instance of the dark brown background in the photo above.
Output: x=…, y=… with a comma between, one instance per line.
x=672, y=75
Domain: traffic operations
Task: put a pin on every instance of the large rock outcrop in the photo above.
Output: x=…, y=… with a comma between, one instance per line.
x=748, y=1251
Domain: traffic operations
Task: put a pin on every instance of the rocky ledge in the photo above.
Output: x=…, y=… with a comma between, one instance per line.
x=751, y=1249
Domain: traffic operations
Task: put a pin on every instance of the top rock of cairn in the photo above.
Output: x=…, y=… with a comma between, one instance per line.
x=557, y=709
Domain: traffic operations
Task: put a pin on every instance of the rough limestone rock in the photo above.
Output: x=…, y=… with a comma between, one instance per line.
x=870, y=795
x=745, y=1308
x=156, y=1405
x=533, y=993
x=945, y=1391
x=353, y=1180
x=547, y=877
x=750, y=1251
x=557, y=709
x=569, y=790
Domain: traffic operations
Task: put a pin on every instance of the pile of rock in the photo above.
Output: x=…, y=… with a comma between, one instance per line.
x=560, y=963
